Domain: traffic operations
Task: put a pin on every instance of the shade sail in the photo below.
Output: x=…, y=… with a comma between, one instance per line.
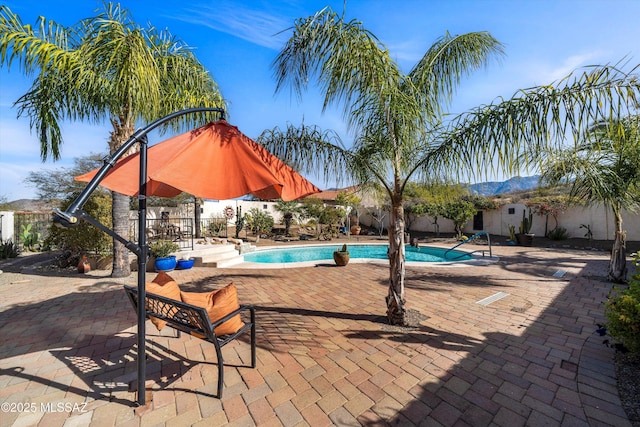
x=215, y=161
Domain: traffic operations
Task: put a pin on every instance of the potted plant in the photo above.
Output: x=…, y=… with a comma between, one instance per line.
x=525, y=237
x=341, y=256
x=185, y=263
x=161, y=251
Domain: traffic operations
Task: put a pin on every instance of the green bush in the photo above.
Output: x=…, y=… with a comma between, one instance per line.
x=9, y=249
x=559, y=233
x=623, y=312
x=163, y=248
x=259, y=221
x=459, y=212
x=31, y=240
x=84, y=238
x=216, y=226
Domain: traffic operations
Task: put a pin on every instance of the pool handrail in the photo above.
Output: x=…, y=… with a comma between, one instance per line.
x=470, y=239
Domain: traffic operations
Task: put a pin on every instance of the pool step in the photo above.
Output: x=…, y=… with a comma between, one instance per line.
x=217, y=255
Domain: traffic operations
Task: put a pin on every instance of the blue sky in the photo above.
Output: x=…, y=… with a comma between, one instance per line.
x=237, y=42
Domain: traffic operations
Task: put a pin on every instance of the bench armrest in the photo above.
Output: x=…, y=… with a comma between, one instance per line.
x=243, y=307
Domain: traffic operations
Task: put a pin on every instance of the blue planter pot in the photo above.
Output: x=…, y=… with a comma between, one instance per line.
x=166, y=263
x=185, y=264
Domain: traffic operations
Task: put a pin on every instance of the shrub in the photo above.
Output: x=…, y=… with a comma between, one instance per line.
x=84, y=237
x=259, y=221
x=9, y=250
x=559, y=233
x=623, y=312
x=217, y=226
x=163, y=248
x=30, y=239
x=459, y=212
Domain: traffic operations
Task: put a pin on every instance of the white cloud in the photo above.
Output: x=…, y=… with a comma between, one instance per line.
x=255, y=26
x=407, y=53
x=548, y=72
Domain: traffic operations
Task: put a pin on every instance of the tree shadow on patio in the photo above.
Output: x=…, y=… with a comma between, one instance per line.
x=412, y=334
x=65, y=320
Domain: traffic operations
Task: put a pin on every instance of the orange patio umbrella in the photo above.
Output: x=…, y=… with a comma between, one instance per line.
x=215, y=161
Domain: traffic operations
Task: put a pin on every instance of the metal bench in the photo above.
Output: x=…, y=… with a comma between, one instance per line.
x=195, y=321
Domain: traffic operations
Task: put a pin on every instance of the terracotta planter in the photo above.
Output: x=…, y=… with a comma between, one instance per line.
x=355, y=229
x=341, y=258
x=84, y=266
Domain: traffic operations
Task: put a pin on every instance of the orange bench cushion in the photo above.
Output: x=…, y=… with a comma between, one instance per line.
x=218, y=304
x=163, y=285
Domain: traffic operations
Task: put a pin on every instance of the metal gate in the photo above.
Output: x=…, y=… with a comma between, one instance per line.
x=31, y=228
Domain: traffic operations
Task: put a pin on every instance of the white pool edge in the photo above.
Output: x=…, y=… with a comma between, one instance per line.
x=477, y=260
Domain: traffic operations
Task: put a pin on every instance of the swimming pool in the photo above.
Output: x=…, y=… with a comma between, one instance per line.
x=356, y=251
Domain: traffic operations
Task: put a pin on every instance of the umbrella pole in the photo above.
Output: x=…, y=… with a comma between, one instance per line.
x=142, y=271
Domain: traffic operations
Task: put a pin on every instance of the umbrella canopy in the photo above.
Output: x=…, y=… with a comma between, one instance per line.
x=215, y=161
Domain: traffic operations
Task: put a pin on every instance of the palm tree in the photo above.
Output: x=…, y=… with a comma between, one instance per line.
x=604, y=169
x=104, y=67
x=397, y=118
x=287, y=209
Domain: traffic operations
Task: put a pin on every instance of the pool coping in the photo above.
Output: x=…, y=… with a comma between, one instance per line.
x=477, y=260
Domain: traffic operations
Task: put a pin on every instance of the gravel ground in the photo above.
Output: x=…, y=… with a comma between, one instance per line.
x=628, y=376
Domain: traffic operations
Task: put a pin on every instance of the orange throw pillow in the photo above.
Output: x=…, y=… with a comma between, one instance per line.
x=218, y=304
x=165, y=286
x=163, y=278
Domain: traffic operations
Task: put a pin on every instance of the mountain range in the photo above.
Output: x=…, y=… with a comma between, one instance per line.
x=490, y=188
x=511, y=185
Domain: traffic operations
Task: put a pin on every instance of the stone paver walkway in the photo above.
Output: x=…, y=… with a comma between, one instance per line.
x=325, y=355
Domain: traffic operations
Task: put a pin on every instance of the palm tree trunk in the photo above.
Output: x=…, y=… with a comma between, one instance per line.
x=396, y=299
x=618, y=262
x=122, y=130
x=197, y=217
x=120, y=217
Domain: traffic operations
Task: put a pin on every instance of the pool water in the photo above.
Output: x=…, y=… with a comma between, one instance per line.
x=325, y=253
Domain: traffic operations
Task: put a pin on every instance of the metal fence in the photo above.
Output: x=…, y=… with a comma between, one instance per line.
x=176, y=229
x=31, y=228
x=214, y=227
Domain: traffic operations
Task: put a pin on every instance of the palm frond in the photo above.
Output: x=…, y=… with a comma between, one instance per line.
x=450, y=58
x=310, y=150
x=352, y=67
x=47, y=47
x=604, y=167
x=104, y=67
x=510, y=135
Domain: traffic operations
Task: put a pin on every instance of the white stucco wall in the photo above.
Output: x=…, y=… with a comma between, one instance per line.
x=494, y=221
x=7, y=226
x=497, y=222
x=598, y=218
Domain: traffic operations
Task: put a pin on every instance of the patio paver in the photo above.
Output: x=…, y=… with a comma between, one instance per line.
x=325, y=355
